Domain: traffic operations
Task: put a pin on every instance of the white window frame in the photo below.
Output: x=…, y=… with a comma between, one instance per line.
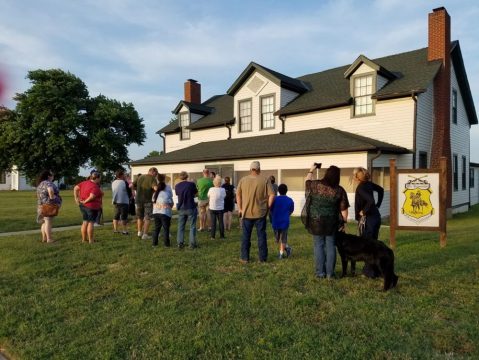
x=245, y=116
x=267, y=103
x=184, y=121
x=362, y=88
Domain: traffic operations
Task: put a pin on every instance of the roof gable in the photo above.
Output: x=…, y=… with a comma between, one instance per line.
x=199, y=109
x=276, y=77
x=364, y=60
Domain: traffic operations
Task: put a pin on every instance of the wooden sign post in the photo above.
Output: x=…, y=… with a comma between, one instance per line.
x=418, y=200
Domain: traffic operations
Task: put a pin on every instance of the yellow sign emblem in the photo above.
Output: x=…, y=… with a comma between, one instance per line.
x=417, y=199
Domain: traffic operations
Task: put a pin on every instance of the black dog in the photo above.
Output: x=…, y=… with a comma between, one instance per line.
x=372, y=252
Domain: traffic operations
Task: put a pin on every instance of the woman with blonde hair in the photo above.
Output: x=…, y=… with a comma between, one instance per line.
x=366, y=209
x=216, y=198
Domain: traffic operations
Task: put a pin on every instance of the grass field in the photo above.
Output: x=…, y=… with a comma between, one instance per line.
x=19, y=210
x=121, y=299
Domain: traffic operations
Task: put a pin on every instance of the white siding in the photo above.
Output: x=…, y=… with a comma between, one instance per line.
x=173, y=141
x=363, y=69
x=460, y=145
x=244, y=93
x=393, y=122
x=8, y=182
x=424, y=127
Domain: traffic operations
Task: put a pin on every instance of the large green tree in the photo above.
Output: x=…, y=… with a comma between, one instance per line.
x=56, y=125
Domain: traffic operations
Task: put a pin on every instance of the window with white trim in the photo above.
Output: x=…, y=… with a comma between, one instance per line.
x=267, y=110
x=363, y=89
x=471, y=177
x=464, y=168
x=184, y=122
x=245, y=119
x=3, y=177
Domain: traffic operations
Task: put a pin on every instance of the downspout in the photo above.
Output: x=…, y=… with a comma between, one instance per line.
x=414, y=98
x=283, y=127
x=164, y=143
x=370, y=165
x=229, y=131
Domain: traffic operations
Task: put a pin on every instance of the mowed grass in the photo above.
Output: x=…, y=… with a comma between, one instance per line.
x=121, y=299
x=19, y=210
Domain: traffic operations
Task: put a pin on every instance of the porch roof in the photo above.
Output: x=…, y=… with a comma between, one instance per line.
x=318, y=141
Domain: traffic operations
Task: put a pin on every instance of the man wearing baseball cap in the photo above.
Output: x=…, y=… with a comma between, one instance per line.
x=254, y=197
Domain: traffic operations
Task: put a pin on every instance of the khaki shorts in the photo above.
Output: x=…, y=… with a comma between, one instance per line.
x=144, y=211
x=203, y=204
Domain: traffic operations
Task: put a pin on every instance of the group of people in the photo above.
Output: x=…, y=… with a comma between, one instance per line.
x=213, y=199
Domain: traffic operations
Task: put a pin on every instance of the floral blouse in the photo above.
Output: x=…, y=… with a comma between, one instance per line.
x=42, y=193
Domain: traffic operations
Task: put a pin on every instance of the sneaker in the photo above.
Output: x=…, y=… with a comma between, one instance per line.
x=243, y=261
x=140, y=234
x=181, y=246
x=281, y=256
x=146, y=237
x=289, y=251
x=116, y=232
x=96, y=224
x=125, y=233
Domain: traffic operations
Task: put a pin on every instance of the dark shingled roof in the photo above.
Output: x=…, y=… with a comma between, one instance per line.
x=318, y=141
x=456, y=57
x=330, y=89
x=201, y=109
x=221, y=115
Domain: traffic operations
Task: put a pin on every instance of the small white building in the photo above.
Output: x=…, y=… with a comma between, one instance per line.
x=14, y=180
x=474, y=182
x=415, y=107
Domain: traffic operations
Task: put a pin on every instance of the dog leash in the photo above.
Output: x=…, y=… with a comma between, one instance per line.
x=361, y=225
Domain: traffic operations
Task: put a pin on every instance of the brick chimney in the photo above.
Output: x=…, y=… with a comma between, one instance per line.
x=192, y=91
x=439, y=48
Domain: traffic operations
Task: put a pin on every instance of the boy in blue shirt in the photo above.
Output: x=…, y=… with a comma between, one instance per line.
x=283, y=207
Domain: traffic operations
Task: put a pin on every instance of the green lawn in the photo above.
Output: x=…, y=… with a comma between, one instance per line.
x=121, y=299
x=19, y=210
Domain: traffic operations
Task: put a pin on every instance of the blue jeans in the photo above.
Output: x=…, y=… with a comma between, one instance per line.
x=246, y=238
x=324, y=255
x=189, y=215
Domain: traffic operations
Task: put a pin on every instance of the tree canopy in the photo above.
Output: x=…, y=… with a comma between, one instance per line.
x=56, y=125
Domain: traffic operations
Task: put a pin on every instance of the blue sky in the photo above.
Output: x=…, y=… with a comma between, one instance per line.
x=142, y=51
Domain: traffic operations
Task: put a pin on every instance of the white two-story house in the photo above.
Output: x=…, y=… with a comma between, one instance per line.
x=414, y=107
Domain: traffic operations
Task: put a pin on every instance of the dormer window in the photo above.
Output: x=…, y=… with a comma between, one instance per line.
x=363, y=89
x=245, y=118
x=267, y=110
x=184, y=122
